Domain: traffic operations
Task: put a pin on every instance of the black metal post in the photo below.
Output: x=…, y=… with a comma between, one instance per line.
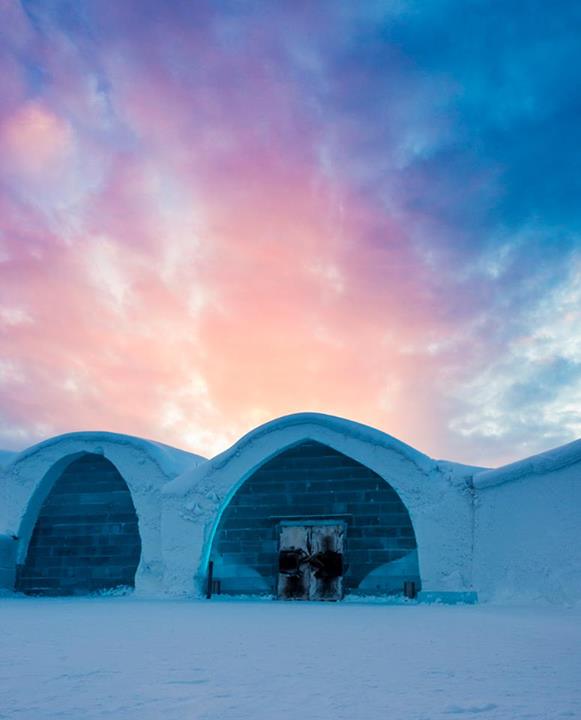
x=210, y=579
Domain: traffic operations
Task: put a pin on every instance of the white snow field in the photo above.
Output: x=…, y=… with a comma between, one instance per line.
x=128, y=658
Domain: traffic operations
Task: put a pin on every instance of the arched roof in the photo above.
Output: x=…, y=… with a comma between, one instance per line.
x=303, y=426
x=28, y=476
x=171, y=461
x=436, y=495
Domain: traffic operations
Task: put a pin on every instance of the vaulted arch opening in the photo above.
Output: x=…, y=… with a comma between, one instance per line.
x=296, y=514
x=86, y=535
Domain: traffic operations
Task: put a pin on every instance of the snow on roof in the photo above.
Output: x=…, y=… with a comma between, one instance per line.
x=459, y=473
x=332, y=422
x=6, y=457
x=182, y=467
x=348, y=428
x=171, y=461
x=545, y=462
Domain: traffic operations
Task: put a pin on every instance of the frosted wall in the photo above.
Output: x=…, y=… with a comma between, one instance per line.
x=528, y=538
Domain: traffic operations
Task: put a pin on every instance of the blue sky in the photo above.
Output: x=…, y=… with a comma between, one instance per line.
x=369, y=209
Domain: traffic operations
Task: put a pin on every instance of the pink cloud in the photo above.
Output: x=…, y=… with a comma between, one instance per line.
x=34, y=142
x=189, y=259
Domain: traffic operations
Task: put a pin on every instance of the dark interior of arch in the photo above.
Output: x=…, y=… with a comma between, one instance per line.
x=86, y=536
x=312, y=480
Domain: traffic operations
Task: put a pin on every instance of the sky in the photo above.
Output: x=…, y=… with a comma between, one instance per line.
x=216, y=213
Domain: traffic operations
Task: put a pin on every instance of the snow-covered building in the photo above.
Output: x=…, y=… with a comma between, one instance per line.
x=308, y=506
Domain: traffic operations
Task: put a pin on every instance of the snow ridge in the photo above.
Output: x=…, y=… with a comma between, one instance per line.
x=545, y=462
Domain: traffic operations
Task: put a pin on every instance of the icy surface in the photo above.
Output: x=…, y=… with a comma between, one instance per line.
x=130, y=659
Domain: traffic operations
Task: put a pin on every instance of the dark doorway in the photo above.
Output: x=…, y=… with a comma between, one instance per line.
x=316, y=485
x=86, y=537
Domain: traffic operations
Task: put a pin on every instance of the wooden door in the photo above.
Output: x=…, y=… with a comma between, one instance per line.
x=293, y=567
x=326, y=562
x=311, y=562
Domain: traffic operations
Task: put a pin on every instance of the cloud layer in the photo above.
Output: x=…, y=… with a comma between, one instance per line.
x=212, y=214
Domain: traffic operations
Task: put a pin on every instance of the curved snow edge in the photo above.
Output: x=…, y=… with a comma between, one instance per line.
x=555, y=459
x=170, y=460
x=349, y=428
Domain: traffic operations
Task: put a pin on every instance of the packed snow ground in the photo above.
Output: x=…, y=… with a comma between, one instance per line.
x=81, y=659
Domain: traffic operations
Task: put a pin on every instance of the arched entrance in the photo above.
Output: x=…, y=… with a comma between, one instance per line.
x=320, y=519
x=86, y=536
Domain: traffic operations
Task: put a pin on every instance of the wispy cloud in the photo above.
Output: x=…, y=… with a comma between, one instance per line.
x=214, y=214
